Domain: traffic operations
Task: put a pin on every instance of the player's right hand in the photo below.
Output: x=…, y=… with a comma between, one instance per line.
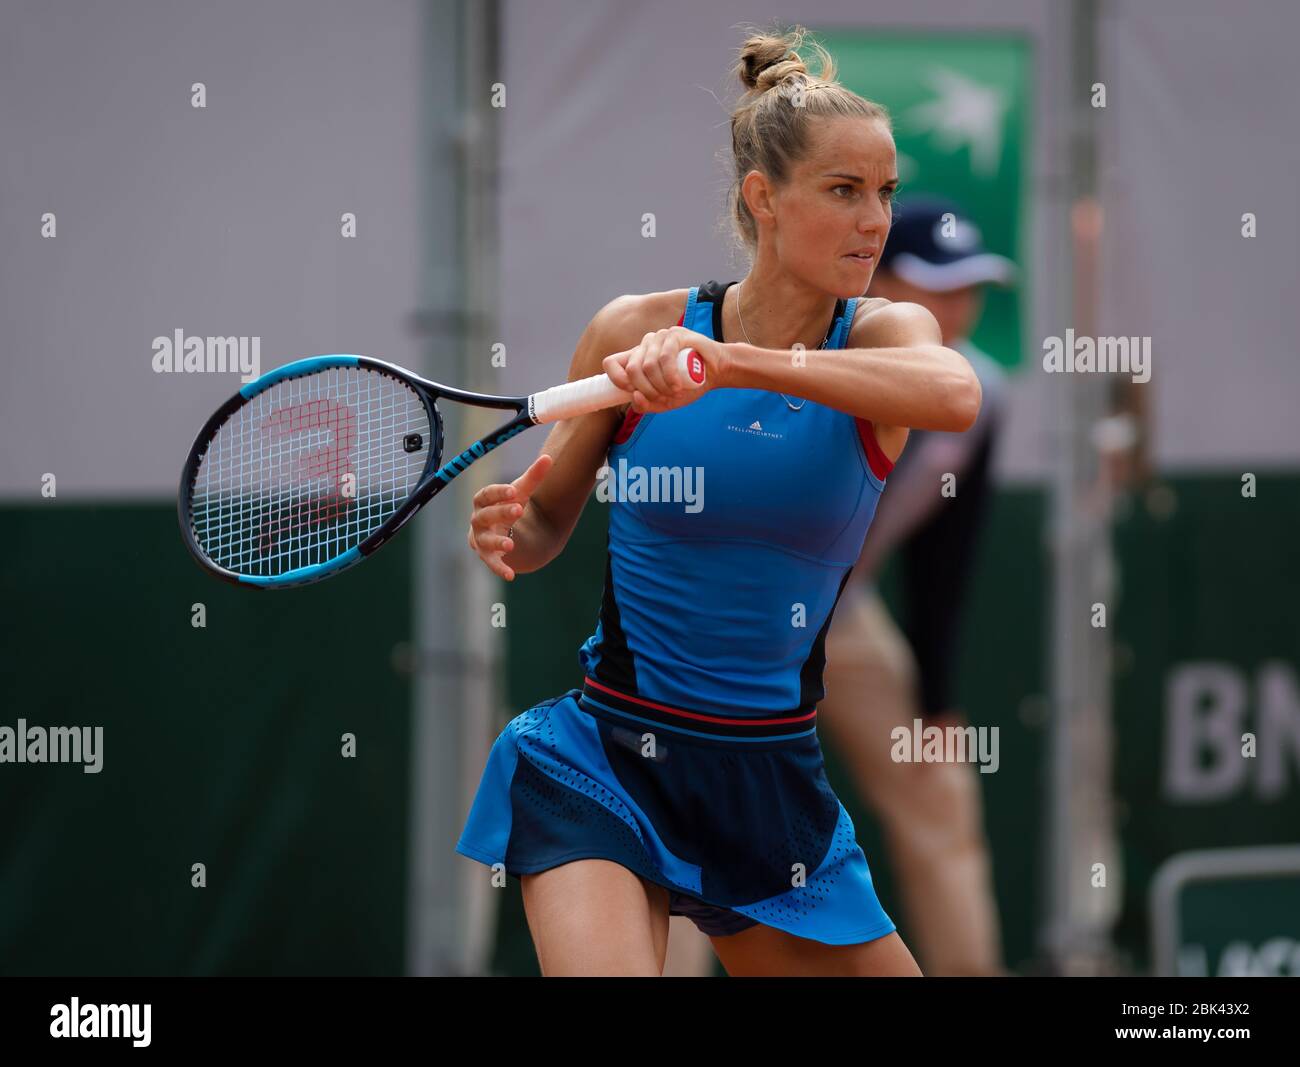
x=496, y=509
x=649, y=372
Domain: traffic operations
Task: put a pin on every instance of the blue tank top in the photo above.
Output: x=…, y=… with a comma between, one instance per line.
x=716, y=606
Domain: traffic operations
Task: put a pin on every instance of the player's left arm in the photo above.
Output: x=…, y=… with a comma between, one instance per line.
x=895, y=373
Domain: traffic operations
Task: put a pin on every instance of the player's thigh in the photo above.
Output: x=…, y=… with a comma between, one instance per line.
x=765, y=952
x=595, y=917
x=690, y=955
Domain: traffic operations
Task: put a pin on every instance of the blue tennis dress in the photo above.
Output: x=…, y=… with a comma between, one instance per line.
x=689, y=754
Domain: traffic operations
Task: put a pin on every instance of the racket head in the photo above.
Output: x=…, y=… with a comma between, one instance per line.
x=307, y=469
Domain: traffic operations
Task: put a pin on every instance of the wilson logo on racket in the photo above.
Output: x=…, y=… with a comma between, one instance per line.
x=475, y=451
x=339, y=424
x=310, y=468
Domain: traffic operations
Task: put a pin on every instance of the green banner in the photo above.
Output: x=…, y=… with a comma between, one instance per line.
x=960, y=112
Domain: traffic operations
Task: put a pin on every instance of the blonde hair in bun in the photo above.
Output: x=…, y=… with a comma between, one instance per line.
x=769, y=125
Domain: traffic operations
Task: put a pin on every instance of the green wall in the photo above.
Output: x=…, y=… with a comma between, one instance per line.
x=221, y=746
x=1210, y=589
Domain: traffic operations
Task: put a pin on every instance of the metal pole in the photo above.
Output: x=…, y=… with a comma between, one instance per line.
x=455, y=648
x=1081, y=847
x=479, y=589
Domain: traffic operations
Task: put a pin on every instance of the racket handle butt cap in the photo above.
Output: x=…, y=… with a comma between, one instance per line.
x=691, y=364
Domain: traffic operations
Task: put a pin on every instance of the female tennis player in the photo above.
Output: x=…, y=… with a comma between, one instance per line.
x=685, y=775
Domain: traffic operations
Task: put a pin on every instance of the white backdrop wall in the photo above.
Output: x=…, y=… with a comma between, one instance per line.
x=225, y=220
x=220, y=221
x=1200, y=127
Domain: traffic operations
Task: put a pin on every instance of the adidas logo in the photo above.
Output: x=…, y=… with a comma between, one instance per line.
x=755, y=428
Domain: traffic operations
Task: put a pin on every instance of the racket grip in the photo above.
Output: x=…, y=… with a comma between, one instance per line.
x=598, y=392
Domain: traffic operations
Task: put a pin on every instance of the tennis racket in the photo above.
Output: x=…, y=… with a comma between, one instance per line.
x=312, y=467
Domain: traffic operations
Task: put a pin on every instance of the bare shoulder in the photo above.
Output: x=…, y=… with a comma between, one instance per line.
x=620, y=325
x=881, y=323
x=622, y=322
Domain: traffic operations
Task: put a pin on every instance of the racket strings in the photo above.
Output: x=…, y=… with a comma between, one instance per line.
x=307, y=470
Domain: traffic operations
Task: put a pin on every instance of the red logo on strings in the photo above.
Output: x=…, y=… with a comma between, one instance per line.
x=330, y=464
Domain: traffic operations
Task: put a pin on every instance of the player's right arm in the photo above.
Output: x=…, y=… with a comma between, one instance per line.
x=545, y=502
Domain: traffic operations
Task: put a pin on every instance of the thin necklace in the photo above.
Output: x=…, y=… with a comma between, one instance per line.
x=739, y=291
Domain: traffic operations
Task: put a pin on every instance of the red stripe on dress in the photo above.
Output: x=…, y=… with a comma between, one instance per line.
x=630, y=417
x=880, y=463
x=734, y=721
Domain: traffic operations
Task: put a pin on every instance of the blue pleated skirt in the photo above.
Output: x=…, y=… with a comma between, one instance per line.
x=739, y=832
